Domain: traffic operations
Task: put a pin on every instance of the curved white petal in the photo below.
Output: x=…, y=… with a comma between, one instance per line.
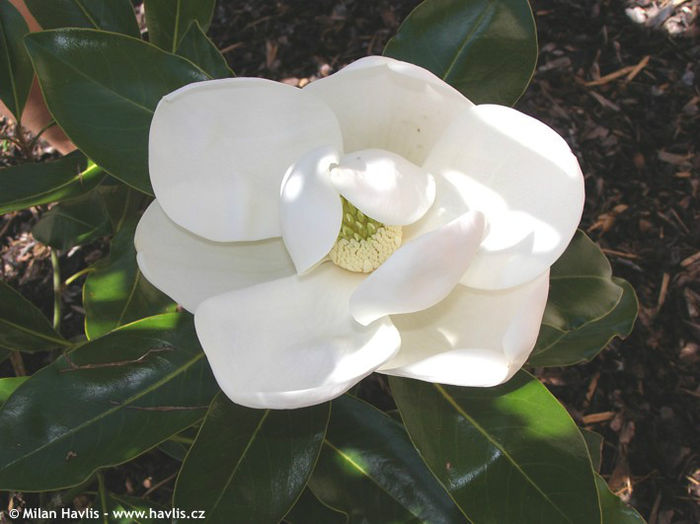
x=191, y=269
x=384, y=103
x=310, y=208
x=420, y=273
x=473, y=337
x=218, y=151
x=291, y=343
x=524, y=178
x=384, y=186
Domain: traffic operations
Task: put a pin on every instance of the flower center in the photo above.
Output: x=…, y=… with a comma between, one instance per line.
x=363, y=244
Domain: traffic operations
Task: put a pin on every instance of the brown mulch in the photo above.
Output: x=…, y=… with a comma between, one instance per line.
x=619, y=81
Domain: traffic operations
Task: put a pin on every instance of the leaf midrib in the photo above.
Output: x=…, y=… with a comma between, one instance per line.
x=29, y=331
x=468, y=37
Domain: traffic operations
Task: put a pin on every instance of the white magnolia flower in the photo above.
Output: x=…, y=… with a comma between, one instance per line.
x=269, y=199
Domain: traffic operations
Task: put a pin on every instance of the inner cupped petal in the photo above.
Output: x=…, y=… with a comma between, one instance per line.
x=384, y=186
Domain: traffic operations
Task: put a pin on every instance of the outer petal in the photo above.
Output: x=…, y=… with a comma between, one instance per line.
x=472, y=338
x=388, y=104
x=218, y=151
x=384, y=186
x=191, y=269
x=420, y=273
x=522, y=176
x=291, y=342
x=310, y=208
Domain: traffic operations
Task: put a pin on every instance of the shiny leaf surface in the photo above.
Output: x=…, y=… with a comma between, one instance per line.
x=119, y=396
x=8, y=386
x=116, y=293
x=196, y=46
x=119, y=78
x=109, y=15
x=586, y=308
x=16, y=71
x=168, y=20
x=510, y=453
x=309, y=509
x=250, y=465
x=22, y=326
x=487, y=49
x=369, y=470
x=73, y=222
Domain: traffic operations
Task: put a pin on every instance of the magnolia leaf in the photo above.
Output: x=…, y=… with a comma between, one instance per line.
x=594, y=442
x=250, y=465
x=120, y=395
x=109, y=15
x=116, y=293
x=23, y=327
x=510, y=453
x=369, y=470
x=613, y=509
x=16, y=71
x=586, y=308
x=487, y=49
x=196, y=46
x=8, y=386
x=310, y=509
x=168, y=20
x=108, y=78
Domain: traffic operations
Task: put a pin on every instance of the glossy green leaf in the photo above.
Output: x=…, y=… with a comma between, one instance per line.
x=120, y=395
x=250, y=465
x=121, y=201
x=22, y=326
x=196, y=46
x=115, y=84
x=33, y=184
x=614, y=510
x=369, y=470
x=116, y=293
x=73, y=222
x=8, y=386
x=16, y=71
x=168, y=20
x=594, y=443
x=509, y=453
x=487, y=49
x=109, y=15
x=309, y=509
x=586, y=308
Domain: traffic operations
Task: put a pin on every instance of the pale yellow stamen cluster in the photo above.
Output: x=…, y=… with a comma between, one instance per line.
x=363, y=244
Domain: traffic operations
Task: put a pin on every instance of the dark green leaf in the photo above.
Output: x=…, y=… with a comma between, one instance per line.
x=32, y=184
x=115, y=84
x=168, y=20
x=613, y=509
x=116, y=293
x=8, y=386
x=22, y=326
x=103, y=404
x=509, y=453
x=4, y=353
x=109, y=15
x=586, y=308
x=369, y=470
x=73, y=222
x=309, y=509
x=16, y=71
x=122, y=202
x=177, y=446
x=487, y=49
x=594, y=443
x=250, y=465
x=197, y=47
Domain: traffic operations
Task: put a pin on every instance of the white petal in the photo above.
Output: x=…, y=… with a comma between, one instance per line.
x=310, y=208
x=473, y=337
x=522, y=175
x=384, y=186
x=191, y=269
x=291, y=342
x=218, y=151
x=388, y=104
x=420, y=273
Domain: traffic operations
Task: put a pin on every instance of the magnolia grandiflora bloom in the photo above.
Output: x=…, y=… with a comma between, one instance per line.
x=375, y=220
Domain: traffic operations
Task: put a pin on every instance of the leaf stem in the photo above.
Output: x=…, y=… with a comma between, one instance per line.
x=34, y=140
x=76, y=276
x=103, y=495
x=56, y=291
x=17, y=364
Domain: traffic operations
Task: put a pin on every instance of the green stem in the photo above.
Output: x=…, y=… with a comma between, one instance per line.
x=103, y=496
x=41, y=132
x=56, y=291
x=76, y=276
x=127, y=203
